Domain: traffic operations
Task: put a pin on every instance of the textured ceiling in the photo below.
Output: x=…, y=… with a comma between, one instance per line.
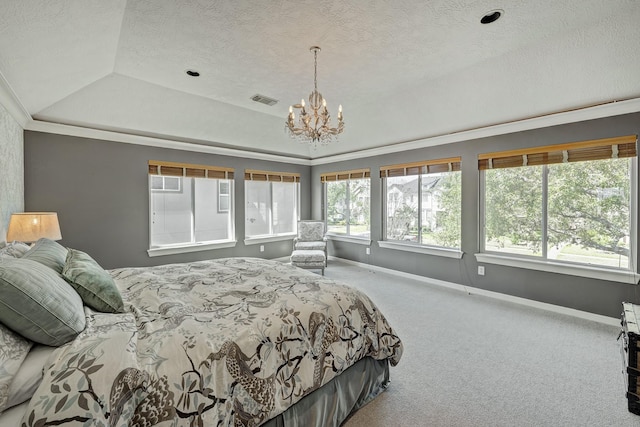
x=403, y=70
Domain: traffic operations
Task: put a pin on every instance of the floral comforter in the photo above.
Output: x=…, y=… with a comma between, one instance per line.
x=226, y=342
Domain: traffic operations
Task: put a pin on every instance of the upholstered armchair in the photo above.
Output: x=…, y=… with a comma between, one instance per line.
x=311, y=237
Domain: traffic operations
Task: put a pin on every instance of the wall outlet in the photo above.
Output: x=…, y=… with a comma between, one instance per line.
x=261, y=248
x=481, y=270
x=367, y=251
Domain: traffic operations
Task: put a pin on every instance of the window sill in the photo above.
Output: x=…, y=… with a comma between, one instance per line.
x=266, y=239
x=350, y=239
x=427, y=250
x=192, y=247
x=622, y=276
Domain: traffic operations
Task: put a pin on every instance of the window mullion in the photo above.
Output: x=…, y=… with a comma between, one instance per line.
x=385, y=207
x=348, y=207
x=270, y=213
x=419, y=209
x=193, y=210
x=545, y=209
x=633, y=216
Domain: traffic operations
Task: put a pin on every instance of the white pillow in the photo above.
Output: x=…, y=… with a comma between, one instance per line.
x=29, y=376
x=13, y=250
x=13, y=350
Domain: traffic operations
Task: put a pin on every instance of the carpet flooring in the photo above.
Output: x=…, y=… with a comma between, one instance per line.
x=471, y=360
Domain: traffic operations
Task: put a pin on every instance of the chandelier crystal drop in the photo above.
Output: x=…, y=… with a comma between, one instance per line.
x=314, y=125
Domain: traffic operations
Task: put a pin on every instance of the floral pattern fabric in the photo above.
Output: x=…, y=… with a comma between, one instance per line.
x=13, y=349
x=309, y=231
x=229, y=342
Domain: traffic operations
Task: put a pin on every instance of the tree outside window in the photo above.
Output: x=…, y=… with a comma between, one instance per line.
x=348, y=207
x=573, y=212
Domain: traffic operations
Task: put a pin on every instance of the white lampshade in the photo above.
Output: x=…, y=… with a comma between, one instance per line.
x=31, y=226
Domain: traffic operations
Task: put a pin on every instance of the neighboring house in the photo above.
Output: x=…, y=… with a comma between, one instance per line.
x=406, y=194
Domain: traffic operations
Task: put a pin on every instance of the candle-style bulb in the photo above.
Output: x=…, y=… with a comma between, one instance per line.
x=340, y=108
x=302, y=103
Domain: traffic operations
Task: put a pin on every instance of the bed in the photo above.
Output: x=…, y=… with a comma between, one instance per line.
x=229, y=342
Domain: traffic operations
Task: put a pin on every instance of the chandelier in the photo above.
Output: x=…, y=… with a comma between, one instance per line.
x=314, y=125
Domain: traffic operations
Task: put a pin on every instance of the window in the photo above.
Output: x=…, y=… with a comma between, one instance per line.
x=187, y=206
x=271, y=203
x=165, y=183
x=224, y=195
x=347, y=202
x=570, y=203
x=423, y=202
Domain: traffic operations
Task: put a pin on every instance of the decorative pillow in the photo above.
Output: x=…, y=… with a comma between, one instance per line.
x=29, y=375
x=13, y=350
x=14, y=250
x=38, y=304
x=95, y=286
x=49, y=253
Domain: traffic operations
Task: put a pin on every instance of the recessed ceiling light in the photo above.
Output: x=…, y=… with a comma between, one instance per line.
x=193, y=73
x=492, y=16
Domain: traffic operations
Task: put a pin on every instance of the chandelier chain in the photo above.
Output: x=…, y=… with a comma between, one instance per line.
x=315, y=69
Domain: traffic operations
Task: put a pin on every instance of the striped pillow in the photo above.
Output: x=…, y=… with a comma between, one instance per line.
x=37, y=303
x=49, y=253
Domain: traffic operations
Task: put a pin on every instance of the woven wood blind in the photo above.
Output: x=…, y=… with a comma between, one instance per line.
x=345, y=175
x=420, y=168
x=597, y=149
x=189, y=170
x=256, y=175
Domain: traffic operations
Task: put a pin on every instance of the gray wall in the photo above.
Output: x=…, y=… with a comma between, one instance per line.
x=11, y=169
x=100, y=191
x=596, y=296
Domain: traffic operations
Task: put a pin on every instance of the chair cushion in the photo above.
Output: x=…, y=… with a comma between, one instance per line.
x=304, y=256
x=310, y=230
x=310, y=246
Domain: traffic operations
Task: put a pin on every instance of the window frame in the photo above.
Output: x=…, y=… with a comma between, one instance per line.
x=419, y=169
x=183, y=171
x=542, y=263
x=346, y=176
x=271, y=178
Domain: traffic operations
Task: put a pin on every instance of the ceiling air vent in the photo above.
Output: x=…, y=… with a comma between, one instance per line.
x=264, y=100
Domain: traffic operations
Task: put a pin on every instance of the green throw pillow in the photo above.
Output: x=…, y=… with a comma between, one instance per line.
x=49, y=253
x=38, y=304
x=92, y=282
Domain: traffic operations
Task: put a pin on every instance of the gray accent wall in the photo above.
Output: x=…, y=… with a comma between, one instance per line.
x=100, y=191
x=11, y=169
x=592, y=295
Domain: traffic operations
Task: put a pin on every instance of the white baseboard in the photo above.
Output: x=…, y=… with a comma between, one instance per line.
x=496, y=295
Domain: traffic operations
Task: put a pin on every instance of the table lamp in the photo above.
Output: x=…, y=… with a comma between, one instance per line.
x=28, y=227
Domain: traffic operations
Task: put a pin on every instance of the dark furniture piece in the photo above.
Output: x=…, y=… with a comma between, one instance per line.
x=630, y=350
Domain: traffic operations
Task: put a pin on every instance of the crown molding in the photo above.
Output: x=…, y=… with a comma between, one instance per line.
x=610, y=109
x=614, y=108
x=82, y=132
x=9, y=100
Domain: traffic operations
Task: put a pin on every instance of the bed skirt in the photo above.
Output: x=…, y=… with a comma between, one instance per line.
x=332, y=404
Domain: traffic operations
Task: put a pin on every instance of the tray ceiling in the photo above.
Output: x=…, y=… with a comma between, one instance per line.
x=403, y=70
